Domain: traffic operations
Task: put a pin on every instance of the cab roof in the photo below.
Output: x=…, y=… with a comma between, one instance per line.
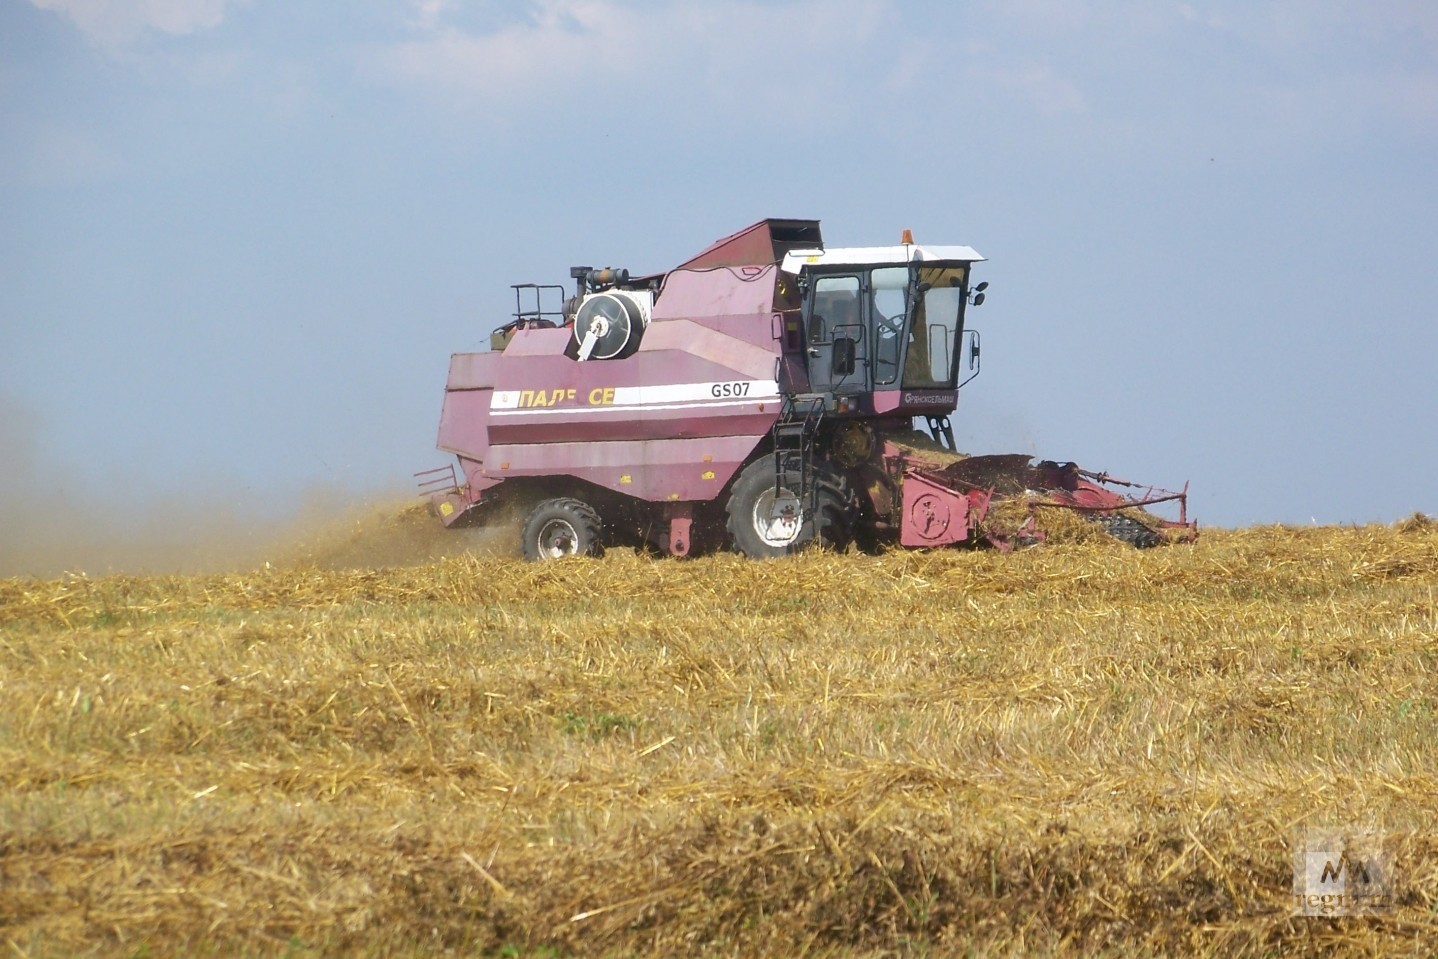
x=796, y=260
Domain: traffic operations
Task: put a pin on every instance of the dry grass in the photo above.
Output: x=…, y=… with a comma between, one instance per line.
x=1080, y=749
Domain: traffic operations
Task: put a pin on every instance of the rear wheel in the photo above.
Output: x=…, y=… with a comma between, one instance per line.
x=766, y=519
x=561, y=527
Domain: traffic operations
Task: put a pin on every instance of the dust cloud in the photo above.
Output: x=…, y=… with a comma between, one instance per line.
x=52, y=525
x=385, y=533
x=48, y=536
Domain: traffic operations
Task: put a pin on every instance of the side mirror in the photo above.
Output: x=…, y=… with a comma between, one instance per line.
x=843, y=359
x=978, y=299
x=973, y=352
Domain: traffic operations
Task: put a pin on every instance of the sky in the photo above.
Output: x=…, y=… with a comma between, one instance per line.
x=240, y=238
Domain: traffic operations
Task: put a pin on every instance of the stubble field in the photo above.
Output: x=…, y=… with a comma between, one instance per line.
x=1073, y=750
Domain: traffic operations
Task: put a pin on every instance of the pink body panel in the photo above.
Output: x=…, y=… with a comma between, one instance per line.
x=689, y=293
x=744, y=344
x=661, y=470
x=464, y=422
x=471, y=371
x=673, y=422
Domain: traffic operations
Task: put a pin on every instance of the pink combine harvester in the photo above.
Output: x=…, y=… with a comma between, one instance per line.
x=761, y=396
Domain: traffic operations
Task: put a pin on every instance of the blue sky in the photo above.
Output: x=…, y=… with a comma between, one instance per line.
x=239, y=240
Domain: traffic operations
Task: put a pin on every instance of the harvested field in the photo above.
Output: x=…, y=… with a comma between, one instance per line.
x=1075, y=750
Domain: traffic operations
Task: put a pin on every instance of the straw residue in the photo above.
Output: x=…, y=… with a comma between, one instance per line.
x=1077, y=749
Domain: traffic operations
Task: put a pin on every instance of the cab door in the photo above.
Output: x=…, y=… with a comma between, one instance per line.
x=838, y=347
x=888, y=302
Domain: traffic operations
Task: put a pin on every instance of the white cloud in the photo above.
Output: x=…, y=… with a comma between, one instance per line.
x=1185, y=76
x=519, y=59
x=428, y=13
x=117, y=22
x=585, y=53
x=1350, y=67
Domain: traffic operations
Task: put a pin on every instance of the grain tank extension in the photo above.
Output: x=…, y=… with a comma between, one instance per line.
x=760, y=396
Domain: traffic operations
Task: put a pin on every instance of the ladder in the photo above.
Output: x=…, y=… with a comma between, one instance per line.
x=793, y=434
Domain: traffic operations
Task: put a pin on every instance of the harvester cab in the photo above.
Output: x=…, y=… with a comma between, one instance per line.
x=760, y=396
x=886, y=329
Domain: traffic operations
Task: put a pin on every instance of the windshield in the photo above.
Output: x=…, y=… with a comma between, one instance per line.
x=930, y=363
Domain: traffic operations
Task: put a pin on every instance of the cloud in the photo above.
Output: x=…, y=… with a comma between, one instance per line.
x=557, y=45
x=1348, y=67
x=1149, y=79
x=117, y=22
x=429, y=13
x=589, y=52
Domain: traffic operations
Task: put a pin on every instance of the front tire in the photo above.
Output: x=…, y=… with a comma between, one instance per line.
x=765, y=521
x=561, y=527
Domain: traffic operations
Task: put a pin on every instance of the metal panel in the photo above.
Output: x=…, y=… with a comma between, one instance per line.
x=472, y=371
x=717, y=292
x=671, y=470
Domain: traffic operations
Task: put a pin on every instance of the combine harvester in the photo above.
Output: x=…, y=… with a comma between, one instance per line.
x=760, y=396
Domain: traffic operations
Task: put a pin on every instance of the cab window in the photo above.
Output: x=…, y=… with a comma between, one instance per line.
x=935, y=327
x=888, y=304
x=836, y=309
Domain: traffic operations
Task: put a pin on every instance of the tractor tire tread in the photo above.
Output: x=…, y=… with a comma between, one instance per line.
x=828, y=528
x=581, y=516
x=1128, y=530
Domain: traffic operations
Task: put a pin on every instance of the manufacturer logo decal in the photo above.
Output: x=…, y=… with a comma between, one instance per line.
x=930, y=399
